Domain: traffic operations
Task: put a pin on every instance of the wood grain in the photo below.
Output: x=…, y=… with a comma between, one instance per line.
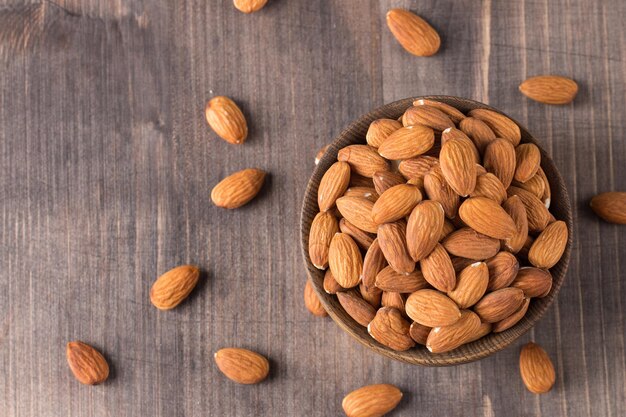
x=106, y=165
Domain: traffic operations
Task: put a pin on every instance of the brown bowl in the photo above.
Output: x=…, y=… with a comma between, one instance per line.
x=560, y=208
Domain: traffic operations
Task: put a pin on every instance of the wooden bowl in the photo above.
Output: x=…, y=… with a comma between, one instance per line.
x=560, y=208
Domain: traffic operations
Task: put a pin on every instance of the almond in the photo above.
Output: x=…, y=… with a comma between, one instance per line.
x=357, y=180
x=389, y=280
x=549, y=246
x=407, y=142
x=438, y=269
x=534, y=282
x=384, y=180
x=333, y=185
x=610, y=206
x=379, y=130
x=396, y=203
x=372, y=295
x=488, y=185
x=424, y=229
x=471, y=285
x=460, y=264
x=468, y=243
x=312, y=301
x=323, y=229
x=547, y=193
x=502, y=126
x=363, y=159
x=487, y=217
x=478, y=132
x=363, y=239
x=448, y=227
x=392, y=241
x=438, y=189
x=238, y=189
x=389, y=328
x=513, y=319
x=242, y=365
x=226, y=119
x=87, y=364
x=499, y=304
x=500, y=160
x=483, y=330
x=523, y=253
x=249, y=6
x=515, y=208
x=427, y=116
x=393, y=299
x=534, y=185
x=502, y=270
x=413, y=33
x=371, y=401
x=536, y=212
x=171, y=288
x=431, y=308
x=550, y=89
x=446, y=338
x=358, y=211
x=536, y=369
x=373, y=263
x=345, y=261
x=368, y=193
x=360, y=310
x=480, y=170
x=453, y=133
x=419, y=333
x=331, y=286
x=452, y=112
x=320, y=154
x=418, y=167
x=528, y=159
x=458, y=166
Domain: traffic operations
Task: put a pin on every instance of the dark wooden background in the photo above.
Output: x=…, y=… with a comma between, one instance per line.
x=106, y=165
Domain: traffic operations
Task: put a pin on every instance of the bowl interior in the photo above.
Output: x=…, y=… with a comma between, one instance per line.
x=560, y=208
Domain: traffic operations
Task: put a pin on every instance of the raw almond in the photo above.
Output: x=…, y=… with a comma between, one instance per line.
x=389, y=328
x=320, y=154
x=226, y=119
x=363, y=159
x=549, y=246
x=331, y=286
x=431, y=308
x=534, y=282
x=418, y=167
x=389, y=280
x=528, y=158
x=424, y=229
x=502, y=126
x=242, y=365
x=323, y=229
x=460, y=264
x=368, y=193
x=513, y=319
x=499, y=304
x=547, y=192
x=534, y=185
x=379, y=130
x=468, y=243
x=483, y=330
x=413, y=33
x=393, y=299
x=452, y=112
x=458, y=166
x=372, y=295
x=333, y=185
x=515, y=208
x=86, y=363
x=448, y=227
x=550, y=89
x=357, y=180
x=384, y=180
x=478, y=132
x=238, y=189
x=312, y=301
x=438, y=269
x=446, y=338
x=407, y=142
x=249, y=6
x=373, y=263
x=471, y=285
x=396, y=203
x=426, y=115
x=610, y=206
x=488, y=185
x=371, y=401
x=502, y=270
x=523, y=253
x=171, y=288
x=536, y=369
x=438, y=189
x=392, y=241
x=453, y=133
x=536, y=212
x=487, y=217
x=363, y=239
x=358, y=211
x=419, y=333
x=360, y=310
x=500, y=160
x=345, y=261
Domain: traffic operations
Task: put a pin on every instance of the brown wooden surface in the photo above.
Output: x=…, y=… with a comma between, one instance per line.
x=106, y=164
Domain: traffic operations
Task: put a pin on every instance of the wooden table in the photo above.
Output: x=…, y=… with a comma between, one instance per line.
x=106, y=165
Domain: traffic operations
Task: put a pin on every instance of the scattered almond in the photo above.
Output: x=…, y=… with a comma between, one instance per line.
x=536, y=369
x=242, y=365
x=171, y=288
x=238, y=189
x=550, y=89
x=371, y=401
x=413, y=33
x=87, y=364
x=312, y=301
x=249, y=6
x=226, y=119
x=610, y=206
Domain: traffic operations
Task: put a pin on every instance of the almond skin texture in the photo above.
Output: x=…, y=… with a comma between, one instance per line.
x=363, y=159
x=413, y=33
x=345, y=261
x=488, y=185
x=171, y=288
x=358, y=211
x=500, y=160
x=379, y=130
x=528, y=158
x=428, y=116
x=312, y=301
x=392, y=299
x=87, y=364
x=372, y=295
x=487, y=217
x=468, y=243
x=438, y=189
x=226, y=119
x=513, y=319
x=363, y=239
x=483, y=330
x=238, y=189
x=242, y=365
x=501, y=125
x=537, y=214
x=360, y=310
x=452, y=112
x=438, y=269
x=446, y=338
x=534, y=184
x=534, y=282
x=419, y=333
x=371, y=401
x=357, y=180
x=549, y=245
x=392, y=241
x=516, y=209
x=431, y=308
x=453, y=133
x=396, y=203
x=407, y=142
x=331, y=286
x=547, y=192
x=550, y=89
x=471, y=285
x=384, y=180
x=323, y=229
x=478, y=132
x=389, y=280
x=503, y=269
x=418, y=167
x=373, y=263
x=458, y=166
x=249, y=6
x=610, y=207
x=333, y=185
x=424, y=229
x=368, y=193
x=389, y=328
x=499, y=304
x=536, y=369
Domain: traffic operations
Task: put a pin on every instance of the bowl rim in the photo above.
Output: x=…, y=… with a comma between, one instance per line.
x=419, y=355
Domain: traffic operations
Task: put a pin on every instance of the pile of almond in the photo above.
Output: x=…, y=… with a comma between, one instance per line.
x=438, y=230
